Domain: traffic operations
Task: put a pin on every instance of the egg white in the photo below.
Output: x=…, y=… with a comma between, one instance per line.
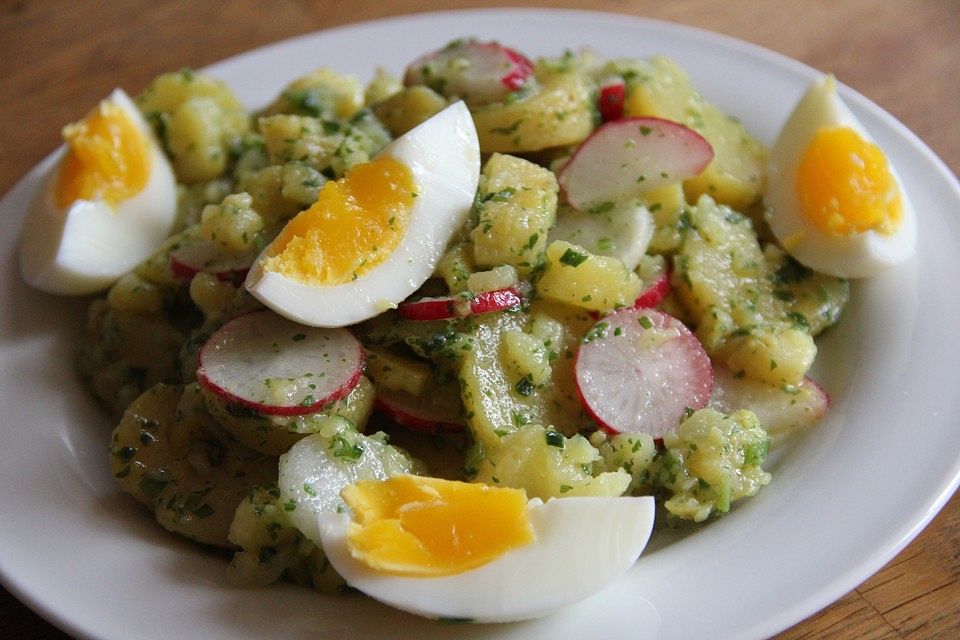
x=856, y=256
x=86, y=246
x=443, y=154
x=582, y=545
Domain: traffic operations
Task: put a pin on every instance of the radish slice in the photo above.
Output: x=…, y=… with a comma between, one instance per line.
x=478, y=72
x=264, y=362
x=460, y=306
x=613, y=93
x=640, y=370
x=655, y=292
x=780, y=411
x=188, y=260
x=431, y=414
x=623, y=232
x=627, y=157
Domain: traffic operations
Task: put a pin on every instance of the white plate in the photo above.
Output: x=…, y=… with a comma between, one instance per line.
x=843, y=501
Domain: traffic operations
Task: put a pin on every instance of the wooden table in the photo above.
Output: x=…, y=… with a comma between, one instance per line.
x=59, y=57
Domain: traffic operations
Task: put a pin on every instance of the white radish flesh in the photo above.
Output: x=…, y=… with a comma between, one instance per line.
x=781, y=411
x=274, y=366
x=478, y=72
x=623, y=231
x=640, y=370
x=626, y=157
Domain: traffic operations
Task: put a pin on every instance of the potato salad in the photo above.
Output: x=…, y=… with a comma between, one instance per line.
x=422, y=336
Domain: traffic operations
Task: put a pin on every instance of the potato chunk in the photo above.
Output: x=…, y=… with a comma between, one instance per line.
x=518, y=205
x=735, y=176
x=574, y=276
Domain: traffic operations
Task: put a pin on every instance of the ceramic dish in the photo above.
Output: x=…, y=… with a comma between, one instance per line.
x=844, y=500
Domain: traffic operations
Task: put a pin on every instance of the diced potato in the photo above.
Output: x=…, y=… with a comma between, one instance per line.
x=527, y=357
x=725, y=281
x=408, y=107
x=736, y=175
x=301, y=183
x=632, y=452
x=574, y=276
x=266, y=188
x=295, y=138
x=395, y=372
x=496, y=385
x=171, y=456
x=548, y=465
x=518, y=205
x=233, y=224
x=497, y=278
x=322, y=94
x=198, y=118
x=383, y=85
x=815, y=299
x=560, y=113
x=776, y=354
x=712, y=460
x=136, y=295
x=269, y=547
x=456, y=266
x=666, y=205
x=274, y=435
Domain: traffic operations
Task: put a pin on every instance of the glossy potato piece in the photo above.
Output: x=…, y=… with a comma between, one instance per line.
x=736, y=175
x=171, y=456
x=274, y=435
x=560, y=113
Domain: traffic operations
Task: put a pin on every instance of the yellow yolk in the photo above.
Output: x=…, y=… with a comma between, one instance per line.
x=417, y=526
x=845, y=185
x=354, y=225
x=107, y=158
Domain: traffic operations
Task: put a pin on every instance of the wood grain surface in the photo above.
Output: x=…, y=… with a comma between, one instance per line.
x=59, y=57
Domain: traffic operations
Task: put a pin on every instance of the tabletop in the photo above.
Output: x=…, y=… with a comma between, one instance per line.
x=58, y=57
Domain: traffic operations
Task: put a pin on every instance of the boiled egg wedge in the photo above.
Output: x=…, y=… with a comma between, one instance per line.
x=374, y=236
x=834, y=200
x=109, y=202
x=466, y=551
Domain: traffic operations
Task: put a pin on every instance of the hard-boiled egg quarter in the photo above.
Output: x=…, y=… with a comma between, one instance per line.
x=417, y=556
x=834, y=200
x=110, y=201
x=374, y=236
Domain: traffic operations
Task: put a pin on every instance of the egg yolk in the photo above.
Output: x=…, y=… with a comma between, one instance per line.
x=845, y=185
x=107, y=158
x=417, y=526
x=354, y=225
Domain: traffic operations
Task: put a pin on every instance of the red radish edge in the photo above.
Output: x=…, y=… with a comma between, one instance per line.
x=655, y=293
x=447, y=307
x=700, y=361
x=693, y=145
x=613, y=93
x=276, y=410
x=184, y=267
x=407, y=416
x=519, y=70
x=519, y=74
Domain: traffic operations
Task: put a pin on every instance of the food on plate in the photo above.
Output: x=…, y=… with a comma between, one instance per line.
x=373, y=237
x=538, y=288
x=399, y=532
x=835, y=201
x=107, y=204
